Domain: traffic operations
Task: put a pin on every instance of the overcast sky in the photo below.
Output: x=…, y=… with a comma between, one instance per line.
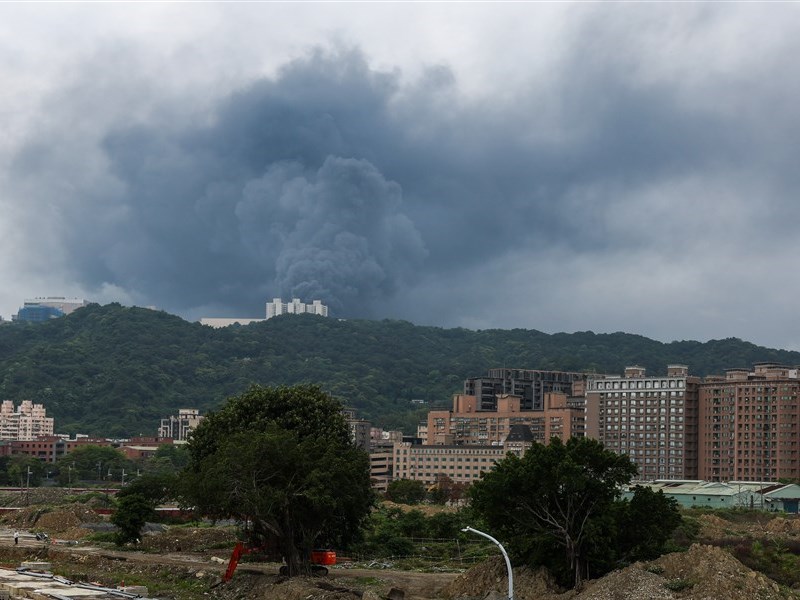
x=561, y=167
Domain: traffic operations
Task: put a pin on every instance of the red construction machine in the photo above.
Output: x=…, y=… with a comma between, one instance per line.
x=320, y=559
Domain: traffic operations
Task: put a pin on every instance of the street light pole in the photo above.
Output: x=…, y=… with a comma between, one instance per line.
x=505, y=555
x=28, y=488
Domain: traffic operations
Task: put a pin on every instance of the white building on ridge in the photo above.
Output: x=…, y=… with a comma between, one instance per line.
x=295, y=307
x=274, y=308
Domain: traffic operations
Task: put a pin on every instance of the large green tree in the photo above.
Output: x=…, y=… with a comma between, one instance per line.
x=556, y=504
x=280, y=460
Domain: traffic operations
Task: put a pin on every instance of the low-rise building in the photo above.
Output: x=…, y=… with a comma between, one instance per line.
x=426, y=463
x=37, y=310
x=48, y=448
x=766, y=495
x=220, y=322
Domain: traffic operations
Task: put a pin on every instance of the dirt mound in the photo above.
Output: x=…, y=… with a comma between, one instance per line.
x=491, y=575
x=192, y=539
x=711, y=526
x=702, y=572
x=52, y=520
x=782, y=525
x=628, y=584
x=711, y=572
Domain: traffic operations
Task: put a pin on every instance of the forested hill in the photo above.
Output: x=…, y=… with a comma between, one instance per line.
x=116, y=371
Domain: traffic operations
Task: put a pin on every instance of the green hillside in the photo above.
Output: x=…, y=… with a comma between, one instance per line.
x=116, y=371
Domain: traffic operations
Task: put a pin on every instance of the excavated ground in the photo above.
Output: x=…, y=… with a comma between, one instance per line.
x=186, y=563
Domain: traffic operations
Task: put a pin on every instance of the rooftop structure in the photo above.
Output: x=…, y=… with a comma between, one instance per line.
x=530, y=385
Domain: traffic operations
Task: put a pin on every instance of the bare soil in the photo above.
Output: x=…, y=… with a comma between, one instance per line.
x=186, y=563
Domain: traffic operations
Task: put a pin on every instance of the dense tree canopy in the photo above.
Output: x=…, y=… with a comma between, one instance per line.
x=93, y=464
x=280, y=460
x=559, y=506
x=111, y=370
x=406, y=491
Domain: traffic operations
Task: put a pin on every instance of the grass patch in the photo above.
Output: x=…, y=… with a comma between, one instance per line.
x=654, y=569
x=678, y=585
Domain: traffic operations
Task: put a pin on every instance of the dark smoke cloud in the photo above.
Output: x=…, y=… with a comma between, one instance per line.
x=602, y=193
x=276, y=197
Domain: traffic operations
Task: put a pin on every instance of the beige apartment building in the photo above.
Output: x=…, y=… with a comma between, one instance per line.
x=652, y=419
x=749, y=423
x=468, y=424
x=28, y=421
x=463, y=464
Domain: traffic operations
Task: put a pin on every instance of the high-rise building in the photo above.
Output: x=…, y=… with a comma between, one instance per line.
x=749, y=424
x=27, y=421
x=529, y=385
x=295, y=307
x=653, y=419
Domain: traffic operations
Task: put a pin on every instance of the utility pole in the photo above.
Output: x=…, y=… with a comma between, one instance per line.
x=28, y=487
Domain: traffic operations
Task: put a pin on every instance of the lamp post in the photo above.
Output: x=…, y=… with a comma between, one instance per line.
x=505, y=555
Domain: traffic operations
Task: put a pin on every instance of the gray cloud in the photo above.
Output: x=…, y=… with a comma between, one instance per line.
x=615, y=185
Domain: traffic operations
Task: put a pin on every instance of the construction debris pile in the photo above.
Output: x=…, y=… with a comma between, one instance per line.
x=703, y=572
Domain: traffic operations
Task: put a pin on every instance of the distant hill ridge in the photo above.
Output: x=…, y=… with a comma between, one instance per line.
x=116, y=371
